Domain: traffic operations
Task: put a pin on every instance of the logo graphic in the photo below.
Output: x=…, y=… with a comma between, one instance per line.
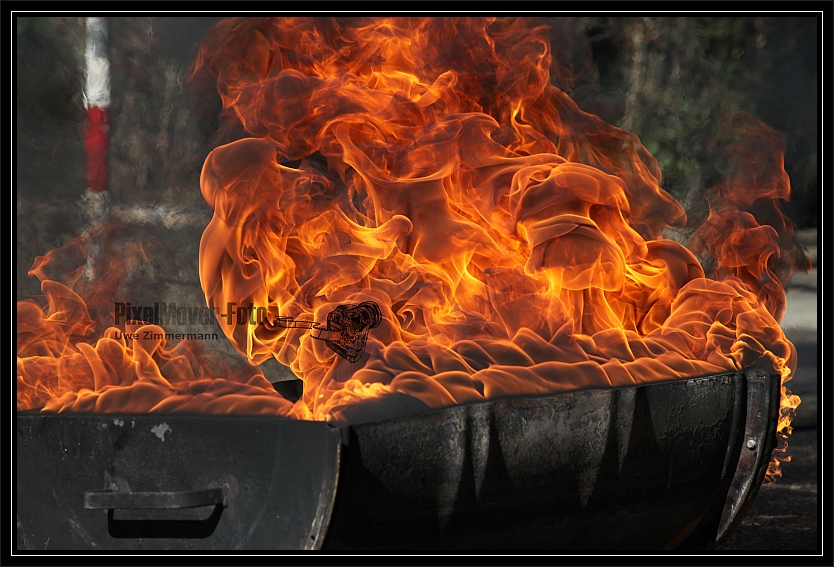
x=347, y=328
x=345, y=333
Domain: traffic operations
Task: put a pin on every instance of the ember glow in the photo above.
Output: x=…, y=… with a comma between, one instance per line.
x=513, y=243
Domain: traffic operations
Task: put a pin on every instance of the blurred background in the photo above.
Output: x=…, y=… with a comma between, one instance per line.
x=668, y=80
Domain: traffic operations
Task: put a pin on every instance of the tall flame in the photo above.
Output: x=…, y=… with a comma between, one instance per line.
x=513, y=242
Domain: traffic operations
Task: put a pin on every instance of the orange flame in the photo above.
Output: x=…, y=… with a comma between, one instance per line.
x=749, y=238
x=69, y=358
x=512, y=241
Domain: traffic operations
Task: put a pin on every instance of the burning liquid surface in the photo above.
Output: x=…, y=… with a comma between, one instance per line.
x=512, y=242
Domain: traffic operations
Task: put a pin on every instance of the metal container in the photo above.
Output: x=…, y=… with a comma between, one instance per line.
x=659, y=466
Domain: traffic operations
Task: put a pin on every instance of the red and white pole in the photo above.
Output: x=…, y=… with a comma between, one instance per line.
x=97, y=134
x=96, y=199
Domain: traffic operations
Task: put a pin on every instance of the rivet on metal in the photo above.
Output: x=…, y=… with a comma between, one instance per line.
x=751, y=444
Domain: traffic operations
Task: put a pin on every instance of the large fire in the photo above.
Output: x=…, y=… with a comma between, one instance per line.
x=513, y=243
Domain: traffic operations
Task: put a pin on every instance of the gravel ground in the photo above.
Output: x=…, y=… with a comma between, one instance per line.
x=784, y=516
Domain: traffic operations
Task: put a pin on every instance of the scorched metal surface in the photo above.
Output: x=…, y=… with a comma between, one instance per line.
x=658, y=466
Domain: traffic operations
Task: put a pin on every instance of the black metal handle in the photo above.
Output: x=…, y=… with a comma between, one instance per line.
x=106, y=499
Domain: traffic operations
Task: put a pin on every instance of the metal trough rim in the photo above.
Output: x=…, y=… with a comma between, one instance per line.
x=759, y=422
x=426, y=411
